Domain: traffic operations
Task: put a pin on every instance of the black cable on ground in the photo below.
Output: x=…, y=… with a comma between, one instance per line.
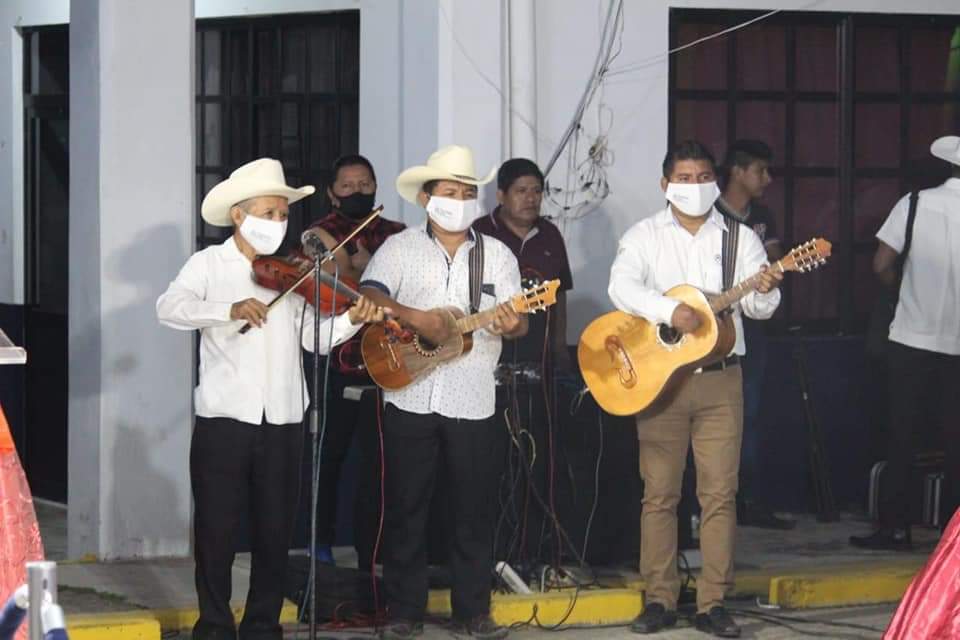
x=780, y=619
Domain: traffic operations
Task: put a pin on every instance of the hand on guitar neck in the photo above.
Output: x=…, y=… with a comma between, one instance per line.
x=508, y=323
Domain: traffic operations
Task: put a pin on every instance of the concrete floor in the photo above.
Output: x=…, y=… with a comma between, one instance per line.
x=168, y=583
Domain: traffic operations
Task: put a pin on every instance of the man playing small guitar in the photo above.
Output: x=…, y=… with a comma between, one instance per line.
x=683, y=244
x=445, y=417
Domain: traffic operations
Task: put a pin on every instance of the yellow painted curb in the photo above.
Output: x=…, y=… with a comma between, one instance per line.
x=841, y=587
x=755, y=582
x=148, y=624
x=830, y=586
x=591, y=607
x=177, y=619
x=114, y=626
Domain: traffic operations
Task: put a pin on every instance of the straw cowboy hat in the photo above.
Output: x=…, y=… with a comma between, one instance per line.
x=263, y=177
x=947, y=148
x=447, y=163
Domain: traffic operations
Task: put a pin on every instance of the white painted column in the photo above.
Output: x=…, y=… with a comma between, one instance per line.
x=131, y=229
x=522, y=54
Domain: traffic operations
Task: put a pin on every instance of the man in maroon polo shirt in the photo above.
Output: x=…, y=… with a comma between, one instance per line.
x=538, y=246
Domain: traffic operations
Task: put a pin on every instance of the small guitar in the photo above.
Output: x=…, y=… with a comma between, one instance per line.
x=629, y=363
x=395, y=361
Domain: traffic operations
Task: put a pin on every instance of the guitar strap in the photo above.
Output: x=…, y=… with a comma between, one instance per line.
x=476, y=271
x=729, y=252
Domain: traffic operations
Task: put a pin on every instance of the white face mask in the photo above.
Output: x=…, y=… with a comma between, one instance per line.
x=694, y=199
x=263, y=235
x=453, y=215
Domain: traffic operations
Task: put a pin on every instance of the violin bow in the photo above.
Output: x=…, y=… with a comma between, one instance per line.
x=329, y=256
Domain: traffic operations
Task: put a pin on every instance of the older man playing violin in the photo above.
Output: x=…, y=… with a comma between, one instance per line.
x=246, y=447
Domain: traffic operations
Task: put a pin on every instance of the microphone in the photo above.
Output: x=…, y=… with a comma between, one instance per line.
x=312, y=244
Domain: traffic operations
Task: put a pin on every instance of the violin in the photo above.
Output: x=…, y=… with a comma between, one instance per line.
x=282, y=273
x=293, y=273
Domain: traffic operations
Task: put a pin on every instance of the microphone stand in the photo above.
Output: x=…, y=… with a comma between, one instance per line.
x=317, y=453
x=320, y=257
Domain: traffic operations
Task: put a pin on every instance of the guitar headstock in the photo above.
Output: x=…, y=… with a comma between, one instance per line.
x=536, y=298
x=808, y=256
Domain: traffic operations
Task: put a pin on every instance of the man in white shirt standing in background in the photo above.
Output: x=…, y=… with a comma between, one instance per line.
x=923, y=354
x=683, y=245
x=246, y=448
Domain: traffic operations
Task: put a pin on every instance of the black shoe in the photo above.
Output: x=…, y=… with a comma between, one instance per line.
x=751, y=514
x=717, y=622
x=401, y=630
x=654, y=618
x=884, y=539
x=480, y=627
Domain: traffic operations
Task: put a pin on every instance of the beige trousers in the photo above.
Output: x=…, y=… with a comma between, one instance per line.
x=707, y=411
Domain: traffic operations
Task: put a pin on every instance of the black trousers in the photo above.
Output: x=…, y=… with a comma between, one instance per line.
x=922, y=385
x=417, y=446
x=237, y=471
x=343, y=416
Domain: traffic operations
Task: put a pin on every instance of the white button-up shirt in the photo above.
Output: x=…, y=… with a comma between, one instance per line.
x=415, y=270
x=928, y=313
x=255, y=375
x=657, y=254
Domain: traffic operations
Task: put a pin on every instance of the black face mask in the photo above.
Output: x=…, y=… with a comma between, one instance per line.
x=357, y=205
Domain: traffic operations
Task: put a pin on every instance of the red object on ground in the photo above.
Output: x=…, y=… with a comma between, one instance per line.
x=930, y=609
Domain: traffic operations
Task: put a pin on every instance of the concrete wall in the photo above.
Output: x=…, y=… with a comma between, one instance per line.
x=131, y=229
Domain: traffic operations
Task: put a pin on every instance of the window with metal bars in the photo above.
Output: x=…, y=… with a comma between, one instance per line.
x=849, y=103
x=284, y=87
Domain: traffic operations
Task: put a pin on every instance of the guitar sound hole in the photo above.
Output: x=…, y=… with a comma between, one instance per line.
x=668, y=335
x=425, y=348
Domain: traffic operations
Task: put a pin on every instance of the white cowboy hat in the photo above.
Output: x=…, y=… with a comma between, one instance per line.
x=263, y=177
x=447, y=163
x=947, y=148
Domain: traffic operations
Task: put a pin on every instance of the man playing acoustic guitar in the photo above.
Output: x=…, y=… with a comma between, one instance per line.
x=444, y=418
x=684, y=244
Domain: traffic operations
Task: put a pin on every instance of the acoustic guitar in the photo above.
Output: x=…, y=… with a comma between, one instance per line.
x=395, y=360
x=630, y=364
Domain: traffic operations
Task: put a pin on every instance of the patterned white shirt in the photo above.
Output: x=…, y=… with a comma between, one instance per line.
x=657, y=254
x=255, y=375
x=415, y=270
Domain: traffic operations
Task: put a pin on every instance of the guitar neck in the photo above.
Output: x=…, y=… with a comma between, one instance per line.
x=732, y=295
x=483, y=318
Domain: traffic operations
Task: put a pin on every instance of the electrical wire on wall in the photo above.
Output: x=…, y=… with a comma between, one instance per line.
x=585, y=184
